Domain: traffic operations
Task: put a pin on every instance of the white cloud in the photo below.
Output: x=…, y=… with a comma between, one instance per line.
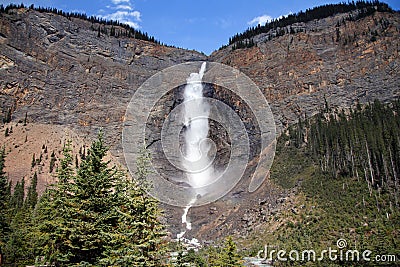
x=290, y=12
x=264, y=19
x=126, y=7
x=116, y=2
x=136, y=14
x=260, y=20
x=132, y=24
x=122, y=11
x=123, y=16
x=123, y=7
x=78, y=11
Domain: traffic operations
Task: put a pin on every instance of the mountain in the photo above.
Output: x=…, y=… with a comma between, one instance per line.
x=59, y=70
x=69, y=72
x=339, y=58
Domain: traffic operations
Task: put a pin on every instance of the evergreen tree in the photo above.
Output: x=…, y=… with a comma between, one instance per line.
x=32, y=195
x=17, y=199
x=33, y=163
x=4, y=197
x=51, y=215
x=26, y=118
x=18, y=245
x=96, y=215
x=180, y=260
x=91, y=206
x=52, y=162
x=229, y=256
x=149, y=229
x=212, y=256
x=138, y=240
x=19, y=249
x=8, y=115
x=194, y=259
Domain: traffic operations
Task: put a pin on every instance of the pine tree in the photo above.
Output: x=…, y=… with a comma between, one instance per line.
x=18, y=246
x=26, y=118
x=51, y=215
x=194, y=258
x=52, y=162
x=212, y=256
x=229, y=256
x=4, y=197
x=148, y=226
x=33, y=163
x=19, y=249
x=96, y=215
x=90, y=207
x=180, y=258
x=139, y=228
x=32, y=195
x=17, y=199
x=7, y=117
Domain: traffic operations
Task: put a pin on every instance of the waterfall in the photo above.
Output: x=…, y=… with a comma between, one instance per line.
x=196, y=160
x=196, y=113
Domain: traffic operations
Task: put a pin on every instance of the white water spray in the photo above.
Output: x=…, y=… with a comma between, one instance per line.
x=184, y=219
x=196, y=158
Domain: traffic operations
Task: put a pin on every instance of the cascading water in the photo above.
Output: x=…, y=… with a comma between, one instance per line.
x=196, y=160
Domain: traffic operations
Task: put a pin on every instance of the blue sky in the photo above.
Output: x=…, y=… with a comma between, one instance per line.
x=201, y=25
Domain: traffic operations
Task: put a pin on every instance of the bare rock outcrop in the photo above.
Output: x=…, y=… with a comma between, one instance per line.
x=59, y=71
x=342, y=61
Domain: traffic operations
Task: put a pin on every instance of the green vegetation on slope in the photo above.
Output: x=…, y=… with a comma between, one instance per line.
x=345, y=168
x=93, y=216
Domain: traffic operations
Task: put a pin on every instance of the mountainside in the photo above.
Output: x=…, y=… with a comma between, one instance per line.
x=337, y=58
x=61, y=71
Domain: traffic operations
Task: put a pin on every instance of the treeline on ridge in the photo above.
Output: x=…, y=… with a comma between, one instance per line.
x=126, y=31
x=365, y=8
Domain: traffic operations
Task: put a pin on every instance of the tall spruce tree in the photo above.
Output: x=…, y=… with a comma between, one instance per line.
x=91, y=206
x=149, y=229
x=51, y=215
x=229, y=256
x=17, y=198
x=4, y=197
x=32, y=195
x=138, y=240
x=96, y=215
x=18, y=248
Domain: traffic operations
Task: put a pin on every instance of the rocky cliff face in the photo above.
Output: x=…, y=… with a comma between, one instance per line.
x=58, y=71
x=334, y=58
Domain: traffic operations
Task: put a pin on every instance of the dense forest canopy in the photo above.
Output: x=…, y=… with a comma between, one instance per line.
x=363, y=143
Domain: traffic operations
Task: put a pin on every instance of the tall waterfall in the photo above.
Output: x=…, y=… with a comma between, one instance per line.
x=196, y=160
